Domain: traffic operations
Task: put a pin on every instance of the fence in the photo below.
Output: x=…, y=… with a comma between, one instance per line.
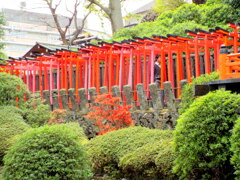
x=125, y=63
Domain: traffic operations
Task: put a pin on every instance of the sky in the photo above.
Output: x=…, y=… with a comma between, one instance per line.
x=41, y=7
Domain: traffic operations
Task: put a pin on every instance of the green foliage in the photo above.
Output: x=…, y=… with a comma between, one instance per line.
x=187, y=95
x=179, y=28
x=78, y=130
x=11, y=124
x=202, y=137
x=233, y=3
x=187, y=16
x=35, y=113
x=12, y=87
x=235, y=148
x=187, y=12
x=48, y=152
x=215, y=15
x=165, y=5
x=133, y=152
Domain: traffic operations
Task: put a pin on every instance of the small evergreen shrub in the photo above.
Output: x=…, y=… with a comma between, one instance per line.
x=11, y=124
x=202, y=137
x=12, y=88
x=133, y=152
x=187, y=96
x=34, y=112
x=48, y=152
x=235, y=148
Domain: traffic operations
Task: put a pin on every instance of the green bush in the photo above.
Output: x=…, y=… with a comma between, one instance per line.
x=34, y=112
x=79, y=131
x=215, y=15
x=134, y=152
x=11, y=124
x=235, y=148
x=187, y=96
x=202, y=137
x=48, y=152
x=12, y=87
x=187, y=16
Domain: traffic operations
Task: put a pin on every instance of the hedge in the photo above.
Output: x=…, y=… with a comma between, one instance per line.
x=235, y=148
x=11, y=124
x=202, y=137
x=48, y=152
x=133, y=152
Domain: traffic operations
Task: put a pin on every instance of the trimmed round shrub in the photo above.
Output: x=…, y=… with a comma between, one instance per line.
x=12, y=87
x=235, y=148
x=202, y=137
x=187, y=96
x=11, y=124
x=48, y=152
x=134, y=152
x=153, y=160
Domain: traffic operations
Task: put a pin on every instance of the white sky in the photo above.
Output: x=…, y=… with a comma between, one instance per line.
x=38, y=5
x=93, y=22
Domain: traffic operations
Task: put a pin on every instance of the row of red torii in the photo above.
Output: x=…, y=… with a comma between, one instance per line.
x=128, y=62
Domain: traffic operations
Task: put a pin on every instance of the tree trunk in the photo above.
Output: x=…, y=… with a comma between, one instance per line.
x=115, y=15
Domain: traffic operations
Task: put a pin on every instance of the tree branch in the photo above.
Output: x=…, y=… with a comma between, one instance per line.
x=79, y=29
x=105, y=9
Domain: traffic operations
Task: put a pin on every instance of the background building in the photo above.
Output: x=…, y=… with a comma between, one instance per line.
x=23, y=29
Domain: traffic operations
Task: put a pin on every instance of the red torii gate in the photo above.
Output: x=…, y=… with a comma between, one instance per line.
x=125, y=63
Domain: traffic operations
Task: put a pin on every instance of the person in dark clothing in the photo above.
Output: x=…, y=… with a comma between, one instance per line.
x=157, y=78
x=157, y=70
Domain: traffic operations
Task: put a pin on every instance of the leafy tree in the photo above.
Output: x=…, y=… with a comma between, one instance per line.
x=165, y=5
x=187, y=16
x=202, y=137
x=233, y=3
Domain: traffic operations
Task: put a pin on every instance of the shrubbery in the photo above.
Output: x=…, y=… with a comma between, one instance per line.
x=108, y=114
x=11, y=124
x=235, y=147
x=202, y=137
x=34, y=112
x=187, y=96
x=56, y=117
x=133, y=152
x=188, y=16
x=48, y=152
x=12, y=88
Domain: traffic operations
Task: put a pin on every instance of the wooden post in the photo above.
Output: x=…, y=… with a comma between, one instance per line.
x=222, y=62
